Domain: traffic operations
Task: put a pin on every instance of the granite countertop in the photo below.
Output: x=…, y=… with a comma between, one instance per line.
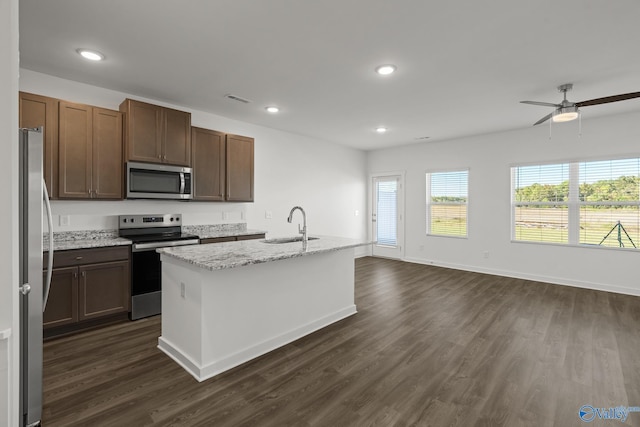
x=219, y=256
x=220, y=230
x=84, y=239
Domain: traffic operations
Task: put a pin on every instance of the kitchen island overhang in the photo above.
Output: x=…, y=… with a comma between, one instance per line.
x=225, y=304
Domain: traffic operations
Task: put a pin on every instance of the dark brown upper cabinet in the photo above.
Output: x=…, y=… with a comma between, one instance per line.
x=36, y=111
x=239, y=174
x=222, y=166
x=208, y=162
x=156, y=134
x=90, y=152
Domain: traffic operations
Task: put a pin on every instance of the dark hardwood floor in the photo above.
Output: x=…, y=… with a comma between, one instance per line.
x=429, y=347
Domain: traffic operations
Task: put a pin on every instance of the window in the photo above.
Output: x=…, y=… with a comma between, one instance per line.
x=541, y=203
x=386, y=212
x=587, y=203
x=447, y=194
x=609, y=200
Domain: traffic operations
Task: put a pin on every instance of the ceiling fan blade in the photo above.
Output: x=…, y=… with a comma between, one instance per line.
x=607, y=99
x=544, y=104
x=544, y=119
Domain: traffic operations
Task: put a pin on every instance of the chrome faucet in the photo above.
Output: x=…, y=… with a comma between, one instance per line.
x=302, y=231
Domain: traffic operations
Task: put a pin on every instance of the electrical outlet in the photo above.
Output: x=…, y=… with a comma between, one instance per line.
x=485, y=254
x=268, y=214
x=182, y=290
x=64, y=220
x=421, y=248
x=225, y=215
x=357, y=213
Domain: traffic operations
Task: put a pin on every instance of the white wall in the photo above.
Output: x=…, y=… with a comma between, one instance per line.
x=489, y=158
x=9, y=211
x=327, y=180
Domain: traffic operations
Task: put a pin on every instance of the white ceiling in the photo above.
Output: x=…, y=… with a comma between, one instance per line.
x=463, y=65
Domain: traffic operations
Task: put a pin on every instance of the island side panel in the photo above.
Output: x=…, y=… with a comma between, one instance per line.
x=181, y=316
x=248, y=311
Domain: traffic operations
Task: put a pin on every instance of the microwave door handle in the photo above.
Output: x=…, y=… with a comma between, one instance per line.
x=182, y=183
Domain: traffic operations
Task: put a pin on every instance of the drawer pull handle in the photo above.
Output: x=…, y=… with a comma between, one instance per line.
x=78, y=258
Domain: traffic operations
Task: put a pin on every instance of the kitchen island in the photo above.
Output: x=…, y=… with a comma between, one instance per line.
x=225, y=304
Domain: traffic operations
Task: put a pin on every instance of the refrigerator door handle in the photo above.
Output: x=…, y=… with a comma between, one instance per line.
x=47, y=286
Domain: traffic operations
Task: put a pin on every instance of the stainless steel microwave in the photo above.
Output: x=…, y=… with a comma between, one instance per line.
x=150, y=181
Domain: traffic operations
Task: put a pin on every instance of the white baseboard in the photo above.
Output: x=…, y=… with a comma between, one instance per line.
x=206, y=371
x=533, y=277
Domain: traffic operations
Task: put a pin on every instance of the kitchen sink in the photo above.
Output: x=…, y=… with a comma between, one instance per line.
x=282, y=240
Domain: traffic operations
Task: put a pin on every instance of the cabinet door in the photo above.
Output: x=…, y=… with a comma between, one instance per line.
x=208, y=163
x=106, y=182
x=75, y=156
x=176, y=137
x=62, y=305
x=239, y=169
x=36, y=111
x=103, y=289
x=143, y=136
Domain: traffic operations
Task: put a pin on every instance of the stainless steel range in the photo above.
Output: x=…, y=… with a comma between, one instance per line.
x=149, y=232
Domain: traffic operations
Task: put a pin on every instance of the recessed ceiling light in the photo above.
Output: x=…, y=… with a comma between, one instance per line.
x=385, y=69
x=91, y=55
x=381, y=129
x=272, y=109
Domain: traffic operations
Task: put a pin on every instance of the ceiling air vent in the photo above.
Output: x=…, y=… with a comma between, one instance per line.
x=237, y=98
x=422, y=137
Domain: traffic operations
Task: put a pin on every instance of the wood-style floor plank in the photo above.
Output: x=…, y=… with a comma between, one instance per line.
x=429, y=347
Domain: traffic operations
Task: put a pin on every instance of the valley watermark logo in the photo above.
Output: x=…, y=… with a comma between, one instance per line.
x=588, y=413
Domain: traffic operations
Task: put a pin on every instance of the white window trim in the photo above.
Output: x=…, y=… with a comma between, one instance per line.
x=428, y=203
x=573, y=204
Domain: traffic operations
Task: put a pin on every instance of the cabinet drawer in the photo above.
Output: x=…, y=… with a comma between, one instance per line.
x=87, y=256
x=251, y=237
x=217, y=240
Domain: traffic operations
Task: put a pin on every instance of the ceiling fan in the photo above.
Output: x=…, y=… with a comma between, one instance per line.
x=567, y=110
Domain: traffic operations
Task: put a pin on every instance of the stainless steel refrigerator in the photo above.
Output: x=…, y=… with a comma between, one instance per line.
x=33, y=288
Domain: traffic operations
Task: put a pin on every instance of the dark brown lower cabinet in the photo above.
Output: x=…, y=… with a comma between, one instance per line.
x=62, y=305
x=87, y=285
x=103, y=289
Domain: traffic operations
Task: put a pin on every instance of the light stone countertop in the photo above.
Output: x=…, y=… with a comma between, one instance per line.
x=219, y=256
x=220, y=230
x=84, y=239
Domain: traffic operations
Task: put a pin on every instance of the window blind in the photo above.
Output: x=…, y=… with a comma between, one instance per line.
x=541, y=208
x=386, y=215
x=609, y=200
x=447, y=194
x=590, y=203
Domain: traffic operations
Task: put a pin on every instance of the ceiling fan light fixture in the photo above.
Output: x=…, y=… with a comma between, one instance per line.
x=565, y=114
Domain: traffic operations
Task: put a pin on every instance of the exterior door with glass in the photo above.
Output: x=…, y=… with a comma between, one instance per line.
x=387, y=216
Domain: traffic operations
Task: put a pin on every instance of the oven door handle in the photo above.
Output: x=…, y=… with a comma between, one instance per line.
x=140, y=247
x=182, y=183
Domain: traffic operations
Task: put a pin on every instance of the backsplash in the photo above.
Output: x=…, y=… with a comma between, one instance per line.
x=71, y=215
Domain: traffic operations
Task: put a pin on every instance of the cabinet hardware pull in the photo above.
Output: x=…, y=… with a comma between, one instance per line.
x=78, y=258
x=75, y=275
x=84, y=274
